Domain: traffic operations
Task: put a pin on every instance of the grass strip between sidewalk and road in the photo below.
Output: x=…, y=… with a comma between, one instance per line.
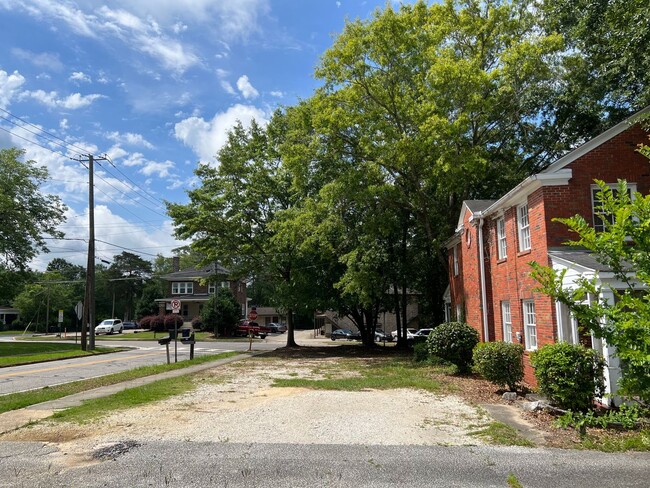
x=18, y=353
x=14, y=401
x=90, y=410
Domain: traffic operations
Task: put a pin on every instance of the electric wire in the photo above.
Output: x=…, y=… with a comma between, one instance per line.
x=44, y=131
x=156, y=199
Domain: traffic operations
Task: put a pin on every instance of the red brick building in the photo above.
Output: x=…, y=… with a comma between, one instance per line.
x=194, y=287
x=490, y=284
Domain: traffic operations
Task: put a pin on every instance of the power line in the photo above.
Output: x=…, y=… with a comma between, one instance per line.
x=129, y=179
x=127, y=249
x=39, y=145
x=42, y=130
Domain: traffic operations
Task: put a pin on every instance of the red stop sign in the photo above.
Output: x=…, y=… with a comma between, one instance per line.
x=252, y=315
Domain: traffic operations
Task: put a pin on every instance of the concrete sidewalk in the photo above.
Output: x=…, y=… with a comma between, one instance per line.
x=15, y=419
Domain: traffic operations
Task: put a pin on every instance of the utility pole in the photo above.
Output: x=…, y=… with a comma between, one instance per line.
x=88, y=336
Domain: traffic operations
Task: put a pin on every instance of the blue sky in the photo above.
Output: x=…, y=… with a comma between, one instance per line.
x=155, y=85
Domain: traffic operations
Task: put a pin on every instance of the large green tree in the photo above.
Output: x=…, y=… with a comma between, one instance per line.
x=605, y=73
x=27, y=216
x=128, y=274
x=441, y=102
x=236, y=215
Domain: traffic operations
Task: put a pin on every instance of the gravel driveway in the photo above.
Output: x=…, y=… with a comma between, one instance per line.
x=236, y=403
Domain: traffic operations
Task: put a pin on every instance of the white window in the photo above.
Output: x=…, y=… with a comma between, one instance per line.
x=506, y=319
x=501, y=238
x=601, y=218
x=523, y=227
x=455, y=260
x=212, y=288
x=182, y=288
x=530, y=325
x=224, y=284
x=567, y=325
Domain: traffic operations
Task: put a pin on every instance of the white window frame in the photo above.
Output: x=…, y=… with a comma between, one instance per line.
x=523, y=227
x=506, y=320
x=502, y=244
x=224, y=284
x=567, y=325
x=530, y=324
x=182, y=288
x=456, y=267
x=597, y=222
x=212, y=288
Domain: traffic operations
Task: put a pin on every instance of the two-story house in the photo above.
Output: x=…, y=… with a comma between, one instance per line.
x=194, y=287
x=490, y=284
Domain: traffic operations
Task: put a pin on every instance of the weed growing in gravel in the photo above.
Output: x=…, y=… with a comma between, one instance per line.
x=359, y=374
x=503, y=435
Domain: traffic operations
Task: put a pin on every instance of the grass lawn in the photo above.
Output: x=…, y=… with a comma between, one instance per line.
x=14, y=401
x=16, y=353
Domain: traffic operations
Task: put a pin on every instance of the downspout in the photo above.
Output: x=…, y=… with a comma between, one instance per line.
x=486, y=333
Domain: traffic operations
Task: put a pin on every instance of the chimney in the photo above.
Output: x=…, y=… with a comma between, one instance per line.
x=176, y=264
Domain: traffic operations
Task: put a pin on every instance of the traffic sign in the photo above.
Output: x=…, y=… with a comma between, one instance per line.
x=176, y=305
x=79, y=310
x=252, y=315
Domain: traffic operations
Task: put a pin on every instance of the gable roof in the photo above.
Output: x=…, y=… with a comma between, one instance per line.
x=473, y=207
x=199, y=273
x=595, y=142
x=557, y=173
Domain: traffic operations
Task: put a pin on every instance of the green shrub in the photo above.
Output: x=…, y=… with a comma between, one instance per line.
x=453, y=342
x=569, y=375
x=500, y=363
x=420, y=352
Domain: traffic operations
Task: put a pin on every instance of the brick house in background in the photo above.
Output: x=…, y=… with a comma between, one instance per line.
x=490, y=284
x=194, y=287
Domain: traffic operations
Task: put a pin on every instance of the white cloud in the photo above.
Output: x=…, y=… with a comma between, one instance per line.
x=63, y=125
x=9, y=86
x=179, y=27
x=80, y=77
x=113, y=234
x=227, y=87
x=277, y=94
x=154, y=168
x=128, y=138
x=205, y=138
x=149, y=167
x=51, y=99
x=116, y=152
x=49, y=61
x=134, y=159
x=246, y=89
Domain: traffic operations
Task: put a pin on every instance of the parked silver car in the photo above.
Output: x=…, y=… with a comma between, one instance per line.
x=109, y=326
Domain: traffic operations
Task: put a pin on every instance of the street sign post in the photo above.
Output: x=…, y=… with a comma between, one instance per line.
x=176, y=305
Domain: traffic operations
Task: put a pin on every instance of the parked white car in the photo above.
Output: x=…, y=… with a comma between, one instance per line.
x=109, y=326
x=410, y=333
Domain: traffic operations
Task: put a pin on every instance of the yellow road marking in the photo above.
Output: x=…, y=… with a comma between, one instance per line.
x=45, y=370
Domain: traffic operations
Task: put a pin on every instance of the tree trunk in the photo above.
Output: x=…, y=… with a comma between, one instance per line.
x=291, y=342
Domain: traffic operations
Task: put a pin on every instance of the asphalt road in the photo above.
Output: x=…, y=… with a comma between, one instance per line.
x=142, y=353
x=189, y=464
